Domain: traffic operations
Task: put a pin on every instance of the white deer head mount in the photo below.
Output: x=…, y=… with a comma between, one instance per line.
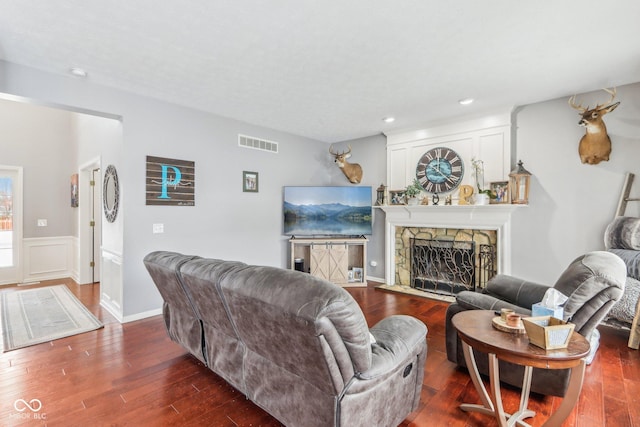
x=352, y=171
x=595, y=145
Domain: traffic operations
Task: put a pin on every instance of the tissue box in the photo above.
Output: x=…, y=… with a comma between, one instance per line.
x=538, y=309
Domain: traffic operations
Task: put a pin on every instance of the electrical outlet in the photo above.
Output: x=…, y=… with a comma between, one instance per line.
x=158, y=228
x=42, y=223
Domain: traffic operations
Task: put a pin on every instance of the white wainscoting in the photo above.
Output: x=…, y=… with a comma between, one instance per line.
x=48, y=258
x=111, y=285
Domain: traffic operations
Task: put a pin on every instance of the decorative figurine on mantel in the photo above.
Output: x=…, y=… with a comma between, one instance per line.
x=519, y=180
x=381, y=195
x=466, y=191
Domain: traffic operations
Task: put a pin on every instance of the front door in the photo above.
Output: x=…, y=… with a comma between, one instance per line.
x=10, y=224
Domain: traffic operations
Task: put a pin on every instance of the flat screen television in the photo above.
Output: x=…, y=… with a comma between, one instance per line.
x=327, y=211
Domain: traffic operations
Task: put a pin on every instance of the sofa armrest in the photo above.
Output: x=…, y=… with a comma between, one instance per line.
x=515, y=291
x=397, y=337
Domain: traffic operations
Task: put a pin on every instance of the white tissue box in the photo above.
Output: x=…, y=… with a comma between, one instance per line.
x=538, y=309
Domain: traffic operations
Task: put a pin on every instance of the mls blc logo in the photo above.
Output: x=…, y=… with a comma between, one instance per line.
x=27, y=410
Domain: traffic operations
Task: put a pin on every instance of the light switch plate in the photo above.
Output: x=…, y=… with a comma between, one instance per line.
x=158, y=228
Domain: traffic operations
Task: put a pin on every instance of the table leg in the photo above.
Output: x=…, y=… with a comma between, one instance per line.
x=570, y=398
x=487, y=407
x=494, y=382
x=493, y=405
x=524, y=411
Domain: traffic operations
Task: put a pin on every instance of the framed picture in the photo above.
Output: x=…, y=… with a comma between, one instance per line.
x=250, y=182
x=74, y=190
x=500, y=189
x=357, y=274
x=397, y=197
x=170, y=182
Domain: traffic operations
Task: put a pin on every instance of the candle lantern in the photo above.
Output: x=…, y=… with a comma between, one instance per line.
x=381, y=198
x=519, y=180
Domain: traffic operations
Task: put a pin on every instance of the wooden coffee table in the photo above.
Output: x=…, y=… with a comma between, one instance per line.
x=477, y=333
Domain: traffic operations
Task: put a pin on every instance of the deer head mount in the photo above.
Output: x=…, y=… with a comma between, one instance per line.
x=595, y=145
x=352, y=171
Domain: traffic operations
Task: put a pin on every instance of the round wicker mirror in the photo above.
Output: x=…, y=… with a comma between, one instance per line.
x=110, y=193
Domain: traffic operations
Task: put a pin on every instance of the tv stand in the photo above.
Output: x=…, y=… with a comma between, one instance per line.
x=340, y=260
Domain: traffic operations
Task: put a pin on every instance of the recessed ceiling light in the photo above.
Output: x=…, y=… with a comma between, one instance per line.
x=389, y=119
x=78, y=72
x=466, y=101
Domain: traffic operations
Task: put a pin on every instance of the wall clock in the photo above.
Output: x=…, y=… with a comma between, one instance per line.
x=440, y=170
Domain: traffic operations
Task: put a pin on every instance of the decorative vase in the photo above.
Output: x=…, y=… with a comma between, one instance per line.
x=481, y=199
x=412, y=201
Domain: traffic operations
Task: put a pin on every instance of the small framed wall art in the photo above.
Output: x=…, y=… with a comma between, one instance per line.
x=74, y=190
x=397, y=197
x=170, y=182
x=249, y=182
x=500, y=190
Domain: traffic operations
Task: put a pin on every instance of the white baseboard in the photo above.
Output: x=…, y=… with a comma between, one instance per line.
x=142, y=315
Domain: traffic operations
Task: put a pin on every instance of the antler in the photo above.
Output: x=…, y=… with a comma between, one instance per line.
x=577, y=107
x=338, y=153
x=582, y=109
x=613, y=96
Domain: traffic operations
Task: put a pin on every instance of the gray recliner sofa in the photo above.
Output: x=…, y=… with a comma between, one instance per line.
x=297, y=346
x=593, y=282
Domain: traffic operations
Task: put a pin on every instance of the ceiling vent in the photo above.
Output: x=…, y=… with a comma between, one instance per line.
x=257, y=143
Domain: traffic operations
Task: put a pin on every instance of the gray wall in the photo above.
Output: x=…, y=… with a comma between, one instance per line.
x=225, y=222
x=44, y=151
x=570, y=203
x=371, y=154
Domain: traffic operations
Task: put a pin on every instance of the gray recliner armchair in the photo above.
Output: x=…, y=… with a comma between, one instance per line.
x=594, y=282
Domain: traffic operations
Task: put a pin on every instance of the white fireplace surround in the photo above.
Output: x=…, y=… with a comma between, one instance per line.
x=486, y=217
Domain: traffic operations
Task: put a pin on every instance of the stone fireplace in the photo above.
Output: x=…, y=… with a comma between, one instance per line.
x=473, y=242
x=444, y=260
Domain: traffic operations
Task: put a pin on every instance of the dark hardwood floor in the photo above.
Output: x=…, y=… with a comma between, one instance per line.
x=132, y=374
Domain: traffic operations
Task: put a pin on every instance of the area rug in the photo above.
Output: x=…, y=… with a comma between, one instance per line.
x=34, y=316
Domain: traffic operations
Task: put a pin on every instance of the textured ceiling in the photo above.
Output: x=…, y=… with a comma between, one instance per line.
x=332, y=69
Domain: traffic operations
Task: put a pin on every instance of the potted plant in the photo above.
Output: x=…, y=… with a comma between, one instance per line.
x=484, y=194
x=412, y=192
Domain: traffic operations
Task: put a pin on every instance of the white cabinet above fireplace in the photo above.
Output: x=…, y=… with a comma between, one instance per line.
x=486, y=138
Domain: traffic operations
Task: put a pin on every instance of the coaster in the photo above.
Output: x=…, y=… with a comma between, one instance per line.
x=501, y=325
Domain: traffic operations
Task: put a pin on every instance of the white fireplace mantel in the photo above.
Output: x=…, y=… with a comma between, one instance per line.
x=481, y=217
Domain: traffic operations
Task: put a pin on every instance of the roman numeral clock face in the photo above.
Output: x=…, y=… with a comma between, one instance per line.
x=440, y=170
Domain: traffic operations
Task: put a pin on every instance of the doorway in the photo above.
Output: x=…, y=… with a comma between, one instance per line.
x=10, y=224
x=90, y=223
